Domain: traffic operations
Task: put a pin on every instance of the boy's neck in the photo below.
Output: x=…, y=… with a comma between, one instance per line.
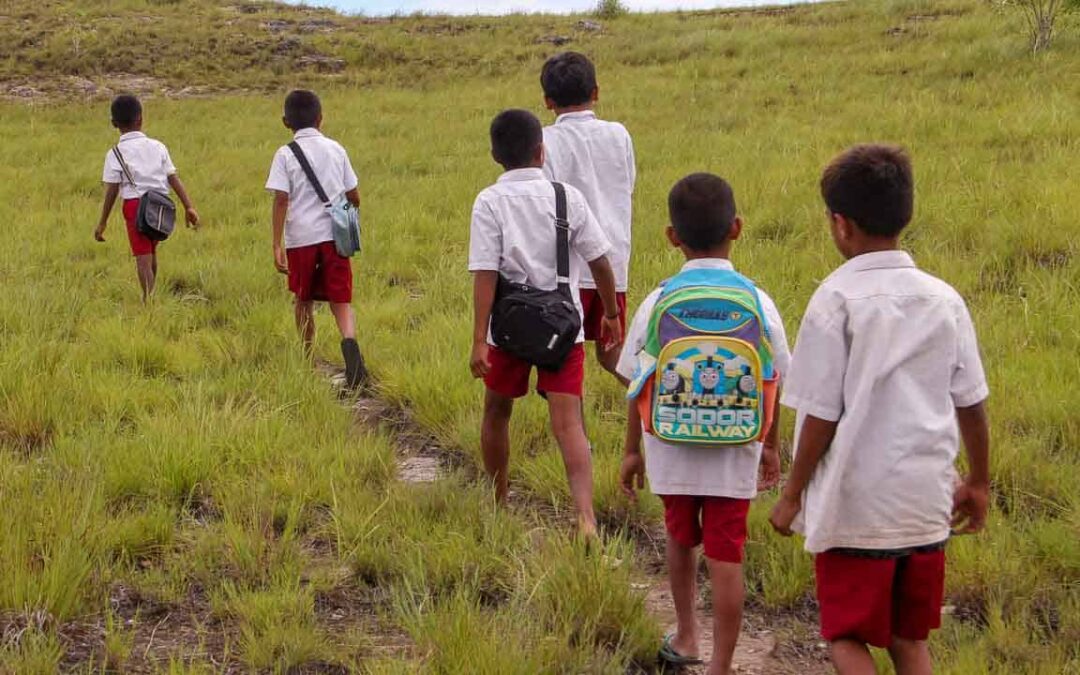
x=872, y=245
x=313, y=127
x=129, y=130
x=723, y=251
x=533, y=165
x=583, y=107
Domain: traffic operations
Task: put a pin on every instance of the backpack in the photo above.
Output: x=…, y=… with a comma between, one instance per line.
x=345, y=216
x=705, y=375
x=156, y=216
x=537, y=326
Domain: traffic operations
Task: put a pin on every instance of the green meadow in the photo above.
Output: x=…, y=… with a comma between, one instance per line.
x=183, y=493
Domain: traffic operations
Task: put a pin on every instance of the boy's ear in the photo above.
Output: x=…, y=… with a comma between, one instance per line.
x=595, y=95
x=673, y=237
x=285, y=121
x=541, y=153
x=318, y=121
x=549, y=103
x=736, y=229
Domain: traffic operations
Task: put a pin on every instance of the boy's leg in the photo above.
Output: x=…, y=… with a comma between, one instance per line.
x=144, y=268
x=851, y=657
x=918, y=592
x=683, y=535
x=723, y=535
x=305, y=324
x=728, y=594
x=495, y=441
x=345, y=318
x=911, y=657
x=569, y=430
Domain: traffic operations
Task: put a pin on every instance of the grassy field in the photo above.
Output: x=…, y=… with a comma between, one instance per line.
x=180, y=466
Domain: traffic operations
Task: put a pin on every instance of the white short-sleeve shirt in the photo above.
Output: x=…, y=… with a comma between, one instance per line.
x=308, y=221
x=146, y=158
x=888, y=352
x=513, y=232
x=675, y=469
x=596, y=157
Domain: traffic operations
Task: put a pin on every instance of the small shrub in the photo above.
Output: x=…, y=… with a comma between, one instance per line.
x=609, y=9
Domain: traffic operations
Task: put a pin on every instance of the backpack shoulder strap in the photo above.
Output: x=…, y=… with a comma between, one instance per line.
x=123, y=164
x=562, y=239
x=308, y=171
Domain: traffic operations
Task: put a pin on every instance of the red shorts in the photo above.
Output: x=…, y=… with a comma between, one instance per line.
x=871, y=600
x=317, y=272
x=593, y=309
x=717, y=522
x=509, y=375
x=140, y=243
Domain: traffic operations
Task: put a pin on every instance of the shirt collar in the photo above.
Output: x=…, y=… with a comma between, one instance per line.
x=309, y=132
x=708, y=264
x=131, y=135
x=575, y=116
x=877, y=260
x=528, y=173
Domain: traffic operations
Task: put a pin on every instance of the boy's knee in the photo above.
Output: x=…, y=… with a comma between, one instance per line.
x=497, y=407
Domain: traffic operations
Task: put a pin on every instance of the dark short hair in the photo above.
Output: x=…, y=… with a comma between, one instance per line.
x=568, y=79
x=302, y=109
x=871, y=185
x=125, y=110
x=515, y=136
x=702, y=210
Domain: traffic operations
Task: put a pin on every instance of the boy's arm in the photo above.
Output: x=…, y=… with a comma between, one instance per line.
x=281, y=208
x=632, y=471
x=485, y=283
x=814, y=440
x=191, y=215
x=610, y=327
x=972, y=497
x=111, y=192
x=769, y=472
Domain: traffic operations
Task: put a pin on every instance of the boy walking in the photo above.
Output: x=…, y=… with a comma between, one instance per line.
x=705, y=352
x=135, y=166
x=886, y=369
x=514, y=236
x=303, y=235
x=597, y=158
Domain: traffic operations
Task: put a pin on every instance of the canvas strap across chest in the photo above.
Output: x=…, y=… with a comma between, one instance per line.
x=710, y=361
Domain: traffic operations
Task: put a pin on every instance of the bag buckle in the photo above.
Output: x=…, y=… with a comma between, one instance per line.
x=562, y=223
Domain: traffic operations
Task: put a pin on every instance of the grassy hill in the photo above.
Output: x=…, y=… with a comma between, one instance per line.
x=181, y=491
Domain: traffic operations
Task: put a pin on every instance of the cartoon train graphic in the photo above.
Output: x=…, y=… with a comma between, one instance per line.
x=715, y=383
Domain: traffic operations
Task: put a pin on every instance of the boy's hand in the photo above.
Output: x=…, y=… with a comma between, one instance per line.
x=99, y=232
x=280, y=261
x=632, y=474
x=783, y=514
x=970, y=503
x=478, y=363
x=192, y=217
x=769, y=471
x=611, y=333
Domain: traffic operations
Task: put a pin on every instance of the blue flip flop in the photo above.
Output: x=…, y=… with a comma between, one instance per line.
x=669, y=656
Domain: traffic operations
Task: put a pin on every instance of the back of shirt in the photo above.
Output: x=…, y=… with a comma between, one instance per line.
x=596, y=157
x=148, y=161
x=513, y=231
x=888, y=352
x=308, y=221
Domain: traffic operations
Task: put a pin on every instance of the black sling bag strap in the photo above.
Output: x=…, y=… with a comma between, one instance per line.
x=537, y=326
x=123, y=165
x=309, y=172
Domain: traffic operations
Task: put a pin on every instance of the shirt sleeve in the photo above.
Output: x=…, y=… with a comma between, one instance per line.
x=636, y=336
x=815, y=381
x=485, y=238
x=279, y=175
x=777, y=335
x=587, y=238
x=112, y=172
x=166, y=161
x=349, y=179
x=631, y=161
x=968, y=385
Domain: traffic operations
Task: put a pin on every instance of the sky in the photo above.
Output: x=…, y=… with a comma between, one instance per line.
x=383, y=7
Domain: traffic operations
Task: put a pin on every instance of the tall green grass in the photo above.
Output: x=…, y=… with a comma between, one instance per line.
x=185, y=450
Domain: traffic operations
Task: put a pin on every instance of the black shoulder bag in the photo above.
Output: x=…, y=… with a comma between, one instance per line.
x=540, y=327
x=156, y=217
